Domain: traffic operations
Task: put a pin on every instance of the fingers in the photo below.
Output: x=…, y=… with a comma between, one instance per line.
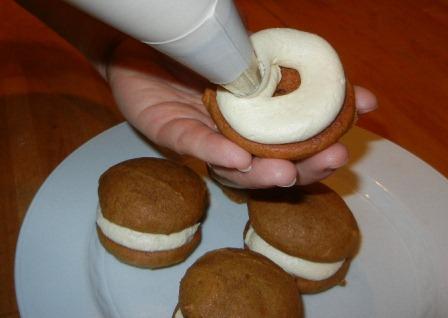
x=267, y=173
x=264, y=173
x=187, y=131
x=365, y=100
x=322, y=164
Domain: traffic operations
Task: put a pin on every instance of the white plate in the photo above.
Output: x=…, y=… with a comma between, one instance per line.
x=401, y=205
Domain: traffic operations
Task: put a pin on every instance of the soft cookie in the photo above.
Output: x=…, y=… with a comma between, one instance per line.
x=282, y=119
x=149, y=211
x=233, y=282
x=309, y=231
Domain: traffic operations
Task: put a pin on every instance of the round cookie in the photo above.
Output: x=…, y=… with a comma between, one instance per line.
x=233, y=282
x=290, y=81
x=291, y=151
x=308, y=230
x=150, y=211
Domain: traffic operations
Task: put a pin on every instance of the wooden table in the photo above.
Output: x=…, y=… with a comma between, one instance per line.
x=52, y=101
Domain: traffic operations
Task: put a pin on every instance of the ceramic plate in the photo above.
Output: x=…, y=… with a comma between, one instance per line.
x=400, y=203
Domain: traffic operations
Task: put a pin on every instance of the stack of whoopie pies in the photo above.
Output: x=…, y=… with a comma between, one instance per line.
x=297, y=240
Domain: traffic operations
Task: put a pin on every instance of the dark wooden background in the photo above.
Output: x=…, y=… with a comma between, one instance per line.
x=52, y=100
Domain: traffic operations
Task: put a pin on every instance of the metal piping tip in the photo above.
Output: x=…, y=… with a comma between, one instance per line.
x=248, y=82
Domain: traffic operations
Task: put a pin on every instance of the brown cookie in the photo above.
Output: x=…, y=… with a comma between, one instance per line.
x=236, y=195
x=238, y=283
x=320, y=226
x=309, y=222
x=291, y=151
x=153, y=196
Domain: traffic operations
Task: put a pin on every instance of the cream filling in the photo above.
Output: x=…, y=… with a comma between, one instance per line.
x=291, y=264
x=147, y=242
x=178, y=314
x=296, y=116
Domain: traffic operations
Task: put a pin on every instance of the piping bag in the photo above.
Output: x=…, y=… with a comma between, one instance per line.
x=206, y=36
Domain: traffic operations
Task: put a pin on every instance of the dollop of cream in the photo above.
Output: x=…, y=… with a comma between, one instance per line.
x=296, y=116
x=178, y=314
x=291, y=264
x=147, y=242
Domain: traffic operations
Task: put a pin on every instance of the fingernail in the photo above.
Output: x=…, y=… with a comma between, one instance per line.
x=289, y=185
x=246, y=170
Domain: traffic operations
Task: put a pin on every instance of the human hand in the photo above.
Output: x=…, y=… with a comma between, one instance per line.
x=156, y=97
x=284, y=173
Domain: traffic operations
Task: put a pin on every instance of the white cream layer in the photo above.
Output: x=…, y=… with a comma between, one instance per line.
x=147, y=242
x=300, y=114
x=178, y=314
x=291, y=264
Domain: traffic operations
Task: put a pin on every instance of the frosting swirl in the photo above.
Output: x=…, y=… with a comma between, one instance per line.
x=296, y=116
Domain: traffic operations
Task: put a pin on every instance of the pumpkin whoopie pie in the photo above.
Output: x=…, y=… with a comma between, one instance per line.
x=150, y=211
x=231, y=282
x=309, y=231
x=307, y=143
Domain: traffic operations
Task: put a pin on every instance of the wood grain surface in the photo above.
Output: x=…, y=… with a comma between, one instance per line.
x=52, y=100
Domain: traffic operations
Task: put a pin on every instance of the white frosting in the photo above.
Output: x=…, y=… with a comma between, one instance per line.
x=147, y=242
x=296, y=116
x=178, y=314
x=291, y=264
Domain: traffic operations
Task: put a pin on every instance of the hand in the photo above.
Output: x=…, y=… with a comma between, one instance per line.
x=163, y=101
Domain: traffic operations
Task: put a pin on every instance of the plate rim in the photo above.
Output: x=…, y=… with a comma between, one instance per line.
x=432, y=176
